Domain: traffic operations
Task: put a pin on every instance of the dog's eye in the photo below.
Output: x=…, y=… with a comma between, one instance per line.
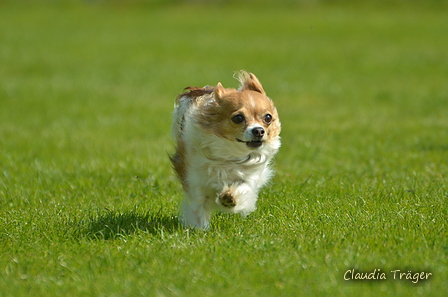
x=268, y=118
x=238, y=119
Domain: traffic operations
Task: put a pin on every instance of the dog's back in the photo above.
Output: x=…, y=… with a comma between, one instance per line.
x=183, y=103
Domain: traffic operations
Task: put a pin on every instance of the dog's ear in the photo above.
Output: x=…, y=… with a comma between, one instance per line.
x=219, y=92
x=250, y=82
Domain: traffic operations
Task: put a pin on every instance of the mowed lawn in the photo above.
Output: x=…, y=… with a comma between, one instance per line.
x=88, y=199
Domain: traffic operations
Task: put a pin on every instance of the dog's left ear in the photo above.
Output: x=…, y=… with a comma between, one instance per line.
x=250, y=82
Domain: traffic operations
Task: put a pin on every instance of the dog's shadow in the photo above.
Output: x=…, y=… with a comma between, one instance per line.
x=114, y=225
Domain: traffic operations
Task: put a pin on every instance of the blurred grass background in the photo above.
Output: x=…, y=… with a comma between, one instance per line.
x=89, y=201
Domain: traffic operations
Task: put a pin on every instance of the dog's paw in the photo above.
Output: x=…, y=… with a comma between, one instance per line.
x=227, y=199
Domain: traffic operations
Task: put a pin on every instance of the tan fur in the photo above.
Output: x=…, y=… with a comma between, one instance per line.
x=179, y=163
x=229, y=102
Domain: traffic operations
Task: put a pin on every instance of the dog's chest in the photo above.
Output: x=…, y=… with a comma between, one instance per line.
x=229, y=172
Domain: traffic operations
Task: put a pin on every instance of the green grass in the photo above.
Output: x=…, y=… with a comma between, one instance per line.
x=88, y=200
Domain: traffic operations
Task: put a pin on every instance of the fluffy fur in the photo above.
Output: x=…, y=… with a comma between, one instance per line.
x=225, y=141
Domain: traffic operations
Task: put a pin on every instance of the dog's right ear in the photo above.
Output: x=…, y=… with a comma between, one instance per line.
x=218, y=92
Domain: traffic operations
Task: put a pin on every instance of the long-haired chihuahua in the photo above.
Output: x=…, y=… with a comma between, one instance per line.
x=225, y=141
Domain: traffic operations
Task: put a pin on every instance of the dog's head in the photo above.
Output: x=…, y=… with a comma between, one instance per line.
x=246, y=115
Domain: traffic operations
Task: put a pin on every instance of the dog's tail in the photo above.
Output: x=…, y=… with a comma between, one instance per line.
x=181, y=109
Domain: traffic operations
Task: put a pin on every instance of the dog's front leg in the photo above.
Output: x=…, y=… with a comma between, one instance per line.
x=195, y=211
x=238, y=197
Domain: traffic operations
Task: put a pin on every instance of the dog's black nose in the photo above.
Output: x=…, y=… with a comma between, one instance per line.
x=258, y=131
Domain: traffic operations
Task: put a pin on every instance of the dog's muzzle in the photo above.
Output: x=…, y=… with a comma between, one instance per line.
x=257, y=136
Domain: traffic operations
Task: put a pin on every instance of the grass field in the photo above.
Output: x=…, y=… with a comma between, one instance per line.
x=88, y=200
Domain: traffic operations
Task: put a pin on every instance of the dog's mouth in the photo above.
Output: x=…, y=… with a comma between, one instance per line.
x=251, y=144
